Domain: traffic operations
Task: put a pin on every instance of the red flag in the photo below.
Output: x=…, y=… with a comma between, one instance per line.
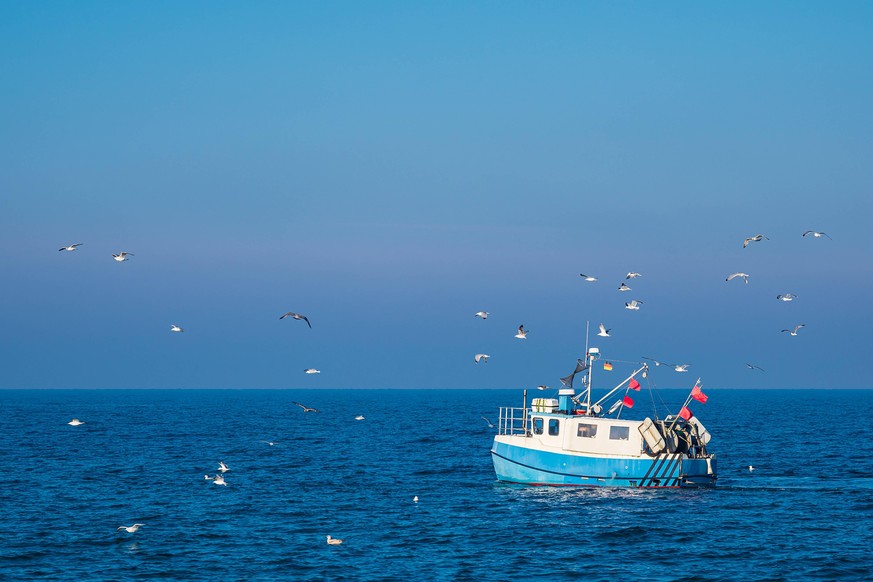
x=628, y=401
x=685, y=413
x=697, y=394
x=634, y=385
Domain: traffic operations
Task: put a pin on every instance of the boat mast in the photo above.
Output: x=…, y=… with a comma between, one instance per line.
x=590, y=364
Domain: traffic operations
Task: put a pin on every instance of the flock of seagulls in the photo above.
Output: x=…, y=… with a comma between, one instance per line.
x=176, y=328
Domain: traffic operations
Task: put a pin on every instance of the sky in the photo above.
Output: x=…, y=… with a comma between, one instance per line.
x=390, y=168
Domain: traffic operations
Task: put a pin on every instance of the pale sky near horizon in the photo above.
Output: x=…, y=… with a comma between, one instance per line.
x=390, y=168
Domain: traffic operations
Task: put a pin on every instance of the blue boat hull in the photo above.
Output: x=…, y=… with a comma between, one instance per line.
x=516, y=464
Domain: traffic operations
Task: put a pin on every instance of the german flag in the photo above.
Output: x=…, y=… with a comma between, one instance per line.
x=607, y=366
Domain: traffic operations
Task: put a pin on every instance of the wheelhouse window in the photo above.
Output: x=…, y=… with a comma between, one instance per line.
x=619, y=433
x=588, y=431
x=554, y=426
x=538, y=425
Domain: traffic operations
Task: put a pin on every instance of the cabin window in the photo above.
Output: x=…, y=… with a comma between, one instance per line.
x=538, y=425
x=619, y=433
x=588, y=431
x=554, y=426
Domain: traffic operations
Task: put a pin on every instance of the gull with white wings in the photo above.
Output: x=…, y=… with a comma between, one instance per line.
x=481, y=358
x=793, y=331
x=744, y=276
x=756, y=238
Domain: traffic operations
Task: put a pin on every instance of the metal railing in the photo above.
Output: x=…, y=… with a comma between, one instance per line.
x=513, y=420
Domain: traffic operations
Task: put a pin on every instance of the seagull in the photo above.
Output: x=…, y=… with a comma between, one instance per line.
x=312, y=371
x=751, y=468
x=794, y=331
x=623, y=287
x=735, y=275
x=415, y=499
x=490, y=424
x=542, y=387
x=682, y=367
x=122, y=256
x=634, y=305
x=305, y=408
x=222, y=467
x=217, y=480
x=657, y=363
x=754, y=367
x=482, y=314
x=132, y=528
x=271, y=443
x=603, y=331
x=522, y=333
x=296, y=316
x=174, y=327
x=359, y=417
x=73, y=247
x=333, y=541
x=755, y=238
x=482, y=357
x=75, y=422
x=633, y=275
x=786, y=297
x=812, y=232
x=588, y=278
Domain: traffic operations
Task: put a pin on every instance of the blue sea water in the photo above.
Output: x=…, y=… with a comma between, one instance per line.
x=804, y=513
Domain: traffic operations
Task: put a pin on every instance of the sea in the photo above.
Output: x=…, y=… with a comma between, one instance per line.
x=804, y=513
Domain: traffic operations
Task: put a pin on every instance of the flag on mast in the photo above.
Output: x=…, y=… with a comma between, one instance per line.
x=697, y=393
x=685, y=413
x=628, y=401
x=634, y=385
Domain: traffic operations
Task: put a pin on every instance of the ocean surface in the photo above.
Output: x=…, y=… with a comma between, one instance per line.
x=803, y=514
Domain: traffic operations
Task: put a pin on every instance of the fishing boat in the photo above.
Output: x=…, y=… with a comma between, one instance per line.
x=572, y=441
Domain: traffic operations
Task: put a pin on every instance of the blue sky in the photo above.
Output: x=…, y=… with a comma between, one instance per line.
x=390, y=168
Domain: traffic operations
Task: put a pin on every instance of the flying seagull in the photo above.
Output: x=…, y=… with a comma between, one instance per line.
x=73, y=247
x=75, y=422
x=794, y=331
x=812, y=232
x=333, y=541
x=755, y=238
x=122, y=256
x=481, y=358
x=588, y=278
x=222, y=467
x=296, y=316
x=786, y=297
x=305, y=408
x=603, y=331
x=682, y=367
x=415, y=499
x=311, y=371
x=359, y=417
x=754, y=367
x=271, y=443
x=657, y=363
x=131, y=528
x=633, y=275
x=490, y=424
x=634, y=305
x=174, y=327
x=542, y=387
x=735, y=275
x=217, y=480
x=482, y=314
x=623, y=287
x=522, y=333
